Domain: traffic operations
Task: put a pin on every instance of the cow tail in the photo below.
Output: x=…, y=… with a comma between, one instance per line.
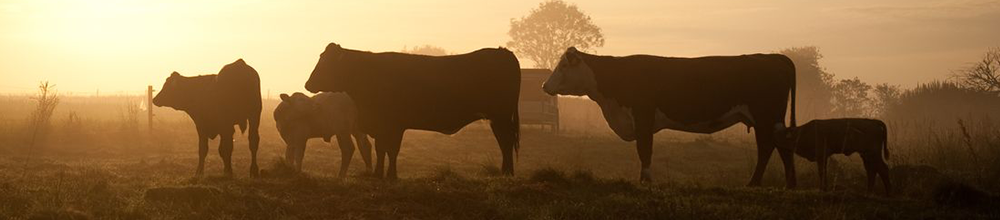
x=517, y=132
x=885, y=142
x=792, y=93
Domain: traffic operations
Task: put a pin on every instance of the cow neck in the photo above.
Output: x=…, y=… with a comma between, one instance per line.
x=619, y=117
x=602, y=67
x=203, y=91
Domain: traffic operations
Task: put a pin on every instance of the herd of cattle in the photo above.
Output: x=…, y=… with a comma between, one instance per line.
x=381, y=95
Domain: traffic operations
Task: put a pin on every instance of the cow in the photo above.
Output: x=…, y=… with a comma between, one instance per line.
x=216, y=103
x=395, y=92
x=640, y=95
x=818, y=139
x=300, y=117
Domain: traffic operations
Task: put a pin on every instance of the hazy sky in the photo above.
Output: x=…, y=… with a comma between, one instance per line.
x=114, y=46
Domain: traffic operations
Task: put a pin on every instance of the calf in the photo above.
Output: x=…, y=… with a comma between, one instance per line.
x=216, y=103
x=299, y=118
x=819, y=139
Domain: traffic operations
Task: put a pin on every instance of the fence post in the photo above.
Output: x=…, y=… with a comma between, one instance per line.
x=149, y=107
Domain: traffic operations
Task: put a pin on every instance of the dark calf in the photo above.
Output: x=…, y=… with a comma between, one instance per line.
x=819, y=139
x=216, y=103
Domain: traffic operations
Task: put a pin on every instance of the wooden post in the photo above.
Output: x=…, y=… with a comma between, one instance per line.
x=149, y=106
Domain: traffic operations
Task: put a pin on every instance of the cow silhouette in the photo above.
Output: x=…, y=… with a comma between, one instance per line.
x=216, y=103
x=818, y=139
x=395, y=92
x=642, y=94
x=299, y=118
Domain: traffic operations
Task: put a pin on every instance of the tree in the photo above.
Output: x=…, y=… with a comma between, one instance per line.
x=944, y=102
x=850, y=98
x=425, y=50
x=548, y=30
x=813, y=83
x=983, y=75
x=886, y=98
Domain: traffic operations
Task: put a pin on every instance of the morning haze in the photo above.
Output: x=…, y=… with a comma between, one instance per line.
x=83, y=46
x=524, y=109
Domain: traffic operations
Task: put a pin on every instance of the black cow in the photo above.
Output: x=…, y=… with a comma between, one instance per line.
x=396, y=91
x=818, y=139
x=642, y=94
x=216, y=103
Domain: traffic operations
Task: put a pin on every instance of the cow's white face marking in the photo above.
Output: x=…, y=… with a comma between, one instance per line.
x=572, y=76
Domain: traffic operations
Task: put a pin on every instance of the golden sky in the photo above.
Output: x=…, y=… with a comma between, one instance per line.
x=116, y=46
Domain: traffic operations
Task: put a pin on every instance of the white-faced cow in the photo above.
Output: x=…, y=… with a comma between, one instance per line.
x=818, y=139
x=395, y=92
x=300, y=117
x=216, y=103
x=642, y=94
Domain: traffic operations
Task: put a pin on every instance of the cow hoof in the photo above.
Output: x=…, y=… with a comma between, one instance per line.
x=645, y=176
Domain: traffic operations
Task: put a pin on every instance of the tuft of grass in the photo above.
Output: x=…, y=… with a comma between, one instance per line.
x=490, y=170
x=550, y=175
x=445, y=173
x=962, y=195
x=279, y=169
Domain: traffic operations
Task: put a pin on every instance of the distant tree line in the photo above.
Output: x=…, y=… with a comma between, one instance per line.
x=972, y=91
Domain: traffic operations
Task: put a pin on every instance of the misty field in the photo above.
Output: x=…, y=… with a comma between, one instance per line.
x=98, y=160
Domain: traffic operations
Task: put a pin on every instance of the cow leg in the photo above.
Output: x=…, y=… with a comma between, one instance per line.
x=202, y=153
x=380, y=159
x=505, y=131
x=883, y=170
x=765, y=147
x=870, y=170
x=821, y=164
x=226, y=152
x=644, y=139
x=254, y=139
x=300, y=153
x=389, y=144
x=346, y=153
x=365, y=149
x=290, y=154
x=764, y=152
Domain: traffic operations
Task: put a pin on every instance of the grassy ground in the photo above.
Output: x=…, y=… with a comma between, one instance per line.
x=443, y=177
x=106, y=167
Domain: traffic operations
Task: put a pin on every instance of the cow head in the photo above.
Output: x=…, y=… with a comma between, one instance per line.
x=572, y=76
x=174, y=92
x=328, y=75
x=294, y=110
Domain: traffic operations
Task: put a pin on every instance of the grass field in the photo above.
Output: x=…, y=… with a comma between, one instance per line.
x=107, y=167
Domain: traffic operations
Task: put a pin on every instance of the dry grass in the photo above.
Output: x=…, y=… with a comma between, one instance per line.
x=90, y=168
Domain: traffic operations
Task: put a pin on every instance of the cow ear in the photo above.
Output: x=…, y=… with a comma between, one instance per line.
x=333, y=46
x=175, y=74
x=284, y=97
x=571, y=50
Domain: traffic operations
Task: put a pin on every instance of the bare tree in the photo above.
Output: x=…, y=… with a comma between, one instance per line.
x=548, y=30
x=47, y=100
x=983, y=75
x=425, y=50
